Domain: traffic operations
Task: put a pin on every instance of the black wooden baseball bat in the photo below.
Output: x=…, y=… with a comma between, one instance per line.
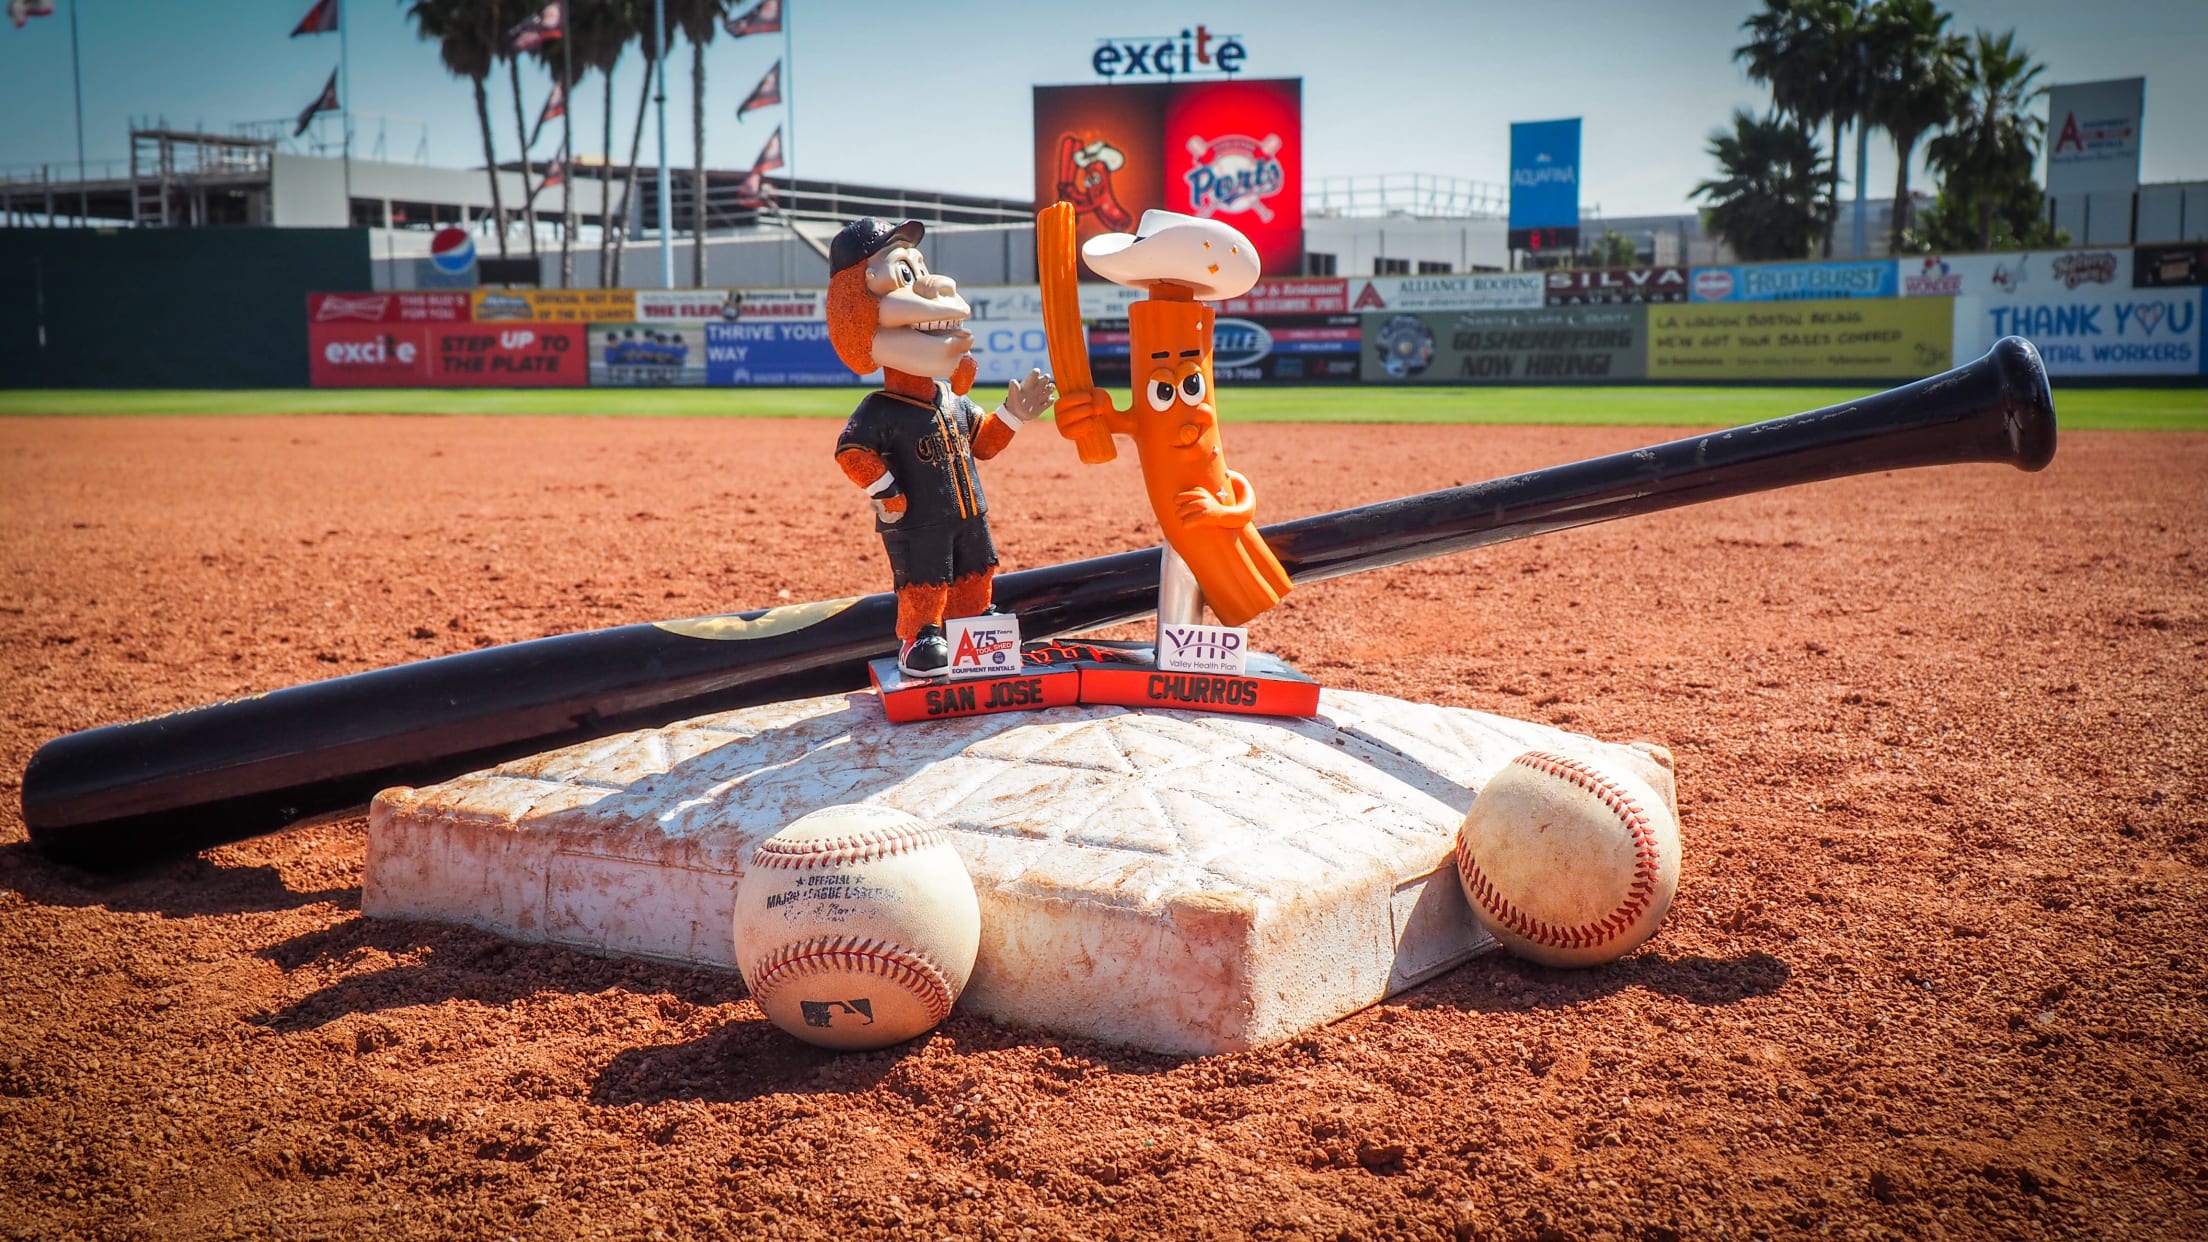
x=119, y=796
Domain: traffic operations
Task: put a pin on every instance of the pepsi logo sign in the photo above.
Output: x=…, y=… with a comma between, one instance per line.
x=452, y=251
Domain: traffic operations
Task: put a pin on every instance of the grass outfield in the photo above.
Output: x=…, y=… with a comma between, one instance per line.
x=2124, y=409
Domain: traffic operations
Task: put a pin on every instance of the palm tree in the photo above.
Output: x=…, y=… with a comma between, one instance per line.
x=649, y=41
x=601, y=30
x=1807, y=51
x=1765, y=202
x=1986, y=157
x=467, y=32
x=521, y=135
x=700, y=20
x=1917, y=86
x=560, y=60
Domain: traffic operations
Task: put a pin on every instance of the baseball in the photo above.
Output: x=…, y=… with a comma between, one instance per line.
x=1567, y=864
x=856, y=927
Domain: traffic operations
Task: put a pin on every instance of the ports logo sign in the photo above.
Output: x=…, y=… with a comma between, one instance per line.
x=986, y=646
x=1234, y=174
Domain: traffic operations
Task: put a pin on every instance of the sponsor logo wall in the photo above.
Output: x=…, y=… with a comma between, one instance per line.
x=2080, y=309
x=1874, y=340
x=1560, y=345
x=2092, y=311
x=518, y=355
x=1472, y=291
x=775, y=353
x=647, y=354
x=1614, y=286
x=1793, y=282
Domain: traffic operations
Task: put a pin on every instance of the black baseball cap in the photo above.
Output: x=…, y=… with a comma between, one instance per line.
x=866, y=237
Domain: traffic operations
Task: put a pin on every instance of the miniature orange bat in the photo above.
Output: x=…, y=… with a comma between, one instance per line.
x=1206, y=510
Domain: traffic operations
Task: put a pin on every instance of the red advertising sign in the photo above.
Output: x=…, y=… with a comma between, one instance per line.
x=1234, y=152
x=1231, y=150
x=388, y=307
x=509, y=355
x=1325, y=296
x=367, y=355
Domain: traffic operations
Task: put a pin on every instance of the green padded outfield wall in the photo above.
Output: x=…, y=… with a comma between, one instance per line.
x=166, y=308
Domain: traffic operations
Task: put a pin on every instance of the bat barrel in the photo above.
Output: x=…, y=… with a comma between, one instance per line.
x=124, y=794
x=1995, y=409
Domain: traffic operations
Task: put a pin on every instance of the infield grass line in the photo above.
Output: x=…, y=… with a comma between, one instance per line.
x=2079, y=409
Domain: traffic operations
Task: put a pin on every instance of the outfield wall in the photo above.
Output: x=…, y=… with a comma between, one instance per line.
x=165, y=308
x=2095, y=314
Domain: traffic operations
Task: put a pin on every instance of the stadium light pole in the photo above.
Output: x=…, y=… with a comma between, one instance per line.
x=659, y=95
x=76, y=77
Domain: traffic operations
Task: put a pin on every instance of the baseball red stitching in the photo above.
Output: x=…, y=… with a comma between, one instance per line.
x=857, y=847
x=914, y=972
x=1647, y=862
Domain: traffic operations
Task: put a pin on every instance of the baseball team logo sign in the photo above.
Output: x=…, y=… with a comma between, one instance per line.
x=1234, y=174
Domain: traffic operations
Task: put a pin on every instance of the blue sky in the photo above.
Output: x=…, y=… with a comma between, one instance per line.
x=1389, y=86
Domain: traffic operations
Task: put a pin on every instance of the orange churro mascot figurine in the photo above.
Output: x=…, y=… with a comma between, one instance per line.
x=1206, y=510
x=912, y=444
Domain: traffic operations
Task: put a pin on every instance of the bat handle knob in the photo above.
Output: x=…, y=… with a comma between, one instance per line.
x=1095, y=443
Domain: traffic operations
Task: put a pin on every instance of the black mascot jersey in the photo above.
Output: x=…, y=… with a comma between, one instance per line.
x=928, y=448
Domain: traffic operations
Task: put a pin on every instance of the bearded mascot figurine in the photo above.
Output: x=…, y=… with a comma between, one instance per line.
x=912, y=443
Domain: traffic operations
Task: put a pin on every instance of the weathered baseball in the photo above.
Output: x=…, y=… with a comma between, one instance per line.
x=856, y=927
x=1568, y=864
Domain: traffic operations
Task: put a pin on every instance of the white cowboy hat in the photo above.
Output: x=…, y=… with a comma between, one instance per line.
x=1101, y=152
x=1209, y=256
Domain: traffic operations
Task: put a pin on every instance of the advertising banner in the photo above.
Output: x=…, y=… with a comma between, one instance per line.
x=1234, y=151
x=555, y=305
x=387, y=308
x=1900, y=338
x=2158, y=266
x=1276, y=348
x=2038, y=274
x=1324, y=296
x=367, y=355
x=647, y=355
x=2090, y=330
x=774, y=354
x=1471, y=291
x=514, y=355
x=2093, y=136
x=1794, y=282
x=994, y=302
x=1230, y=149
x=1544, y=174
x=1560, y=345
x=795, y=305
x=1006, y=350
x=686, y=305
x=1616, y=286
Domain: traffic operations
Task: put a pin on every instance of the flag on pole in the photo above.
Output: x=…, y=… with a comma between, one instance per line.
x=540, y=29
x=324, y=102
x=764, y=18
x=765, y=95
x=555, y=173
x=555, y=107
x=754, y=190
x=22, y=11
x=321, y=19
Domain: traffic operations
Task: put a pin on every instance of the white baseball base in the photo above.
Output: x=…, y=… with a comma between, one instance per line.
x=1568, y=864
x=856, y=927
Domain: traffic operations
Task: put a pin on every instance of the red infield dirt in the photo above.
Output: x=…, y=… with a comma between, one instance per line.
x=1934, y=970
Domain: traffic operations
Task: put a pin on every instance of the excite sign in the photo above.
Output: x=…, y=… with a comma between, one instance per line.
x=1197, y=51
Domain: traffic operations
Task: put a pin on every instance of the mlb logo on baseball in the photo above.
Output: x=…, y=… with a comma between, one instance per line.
x=986, y=646
x=1223, y=649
